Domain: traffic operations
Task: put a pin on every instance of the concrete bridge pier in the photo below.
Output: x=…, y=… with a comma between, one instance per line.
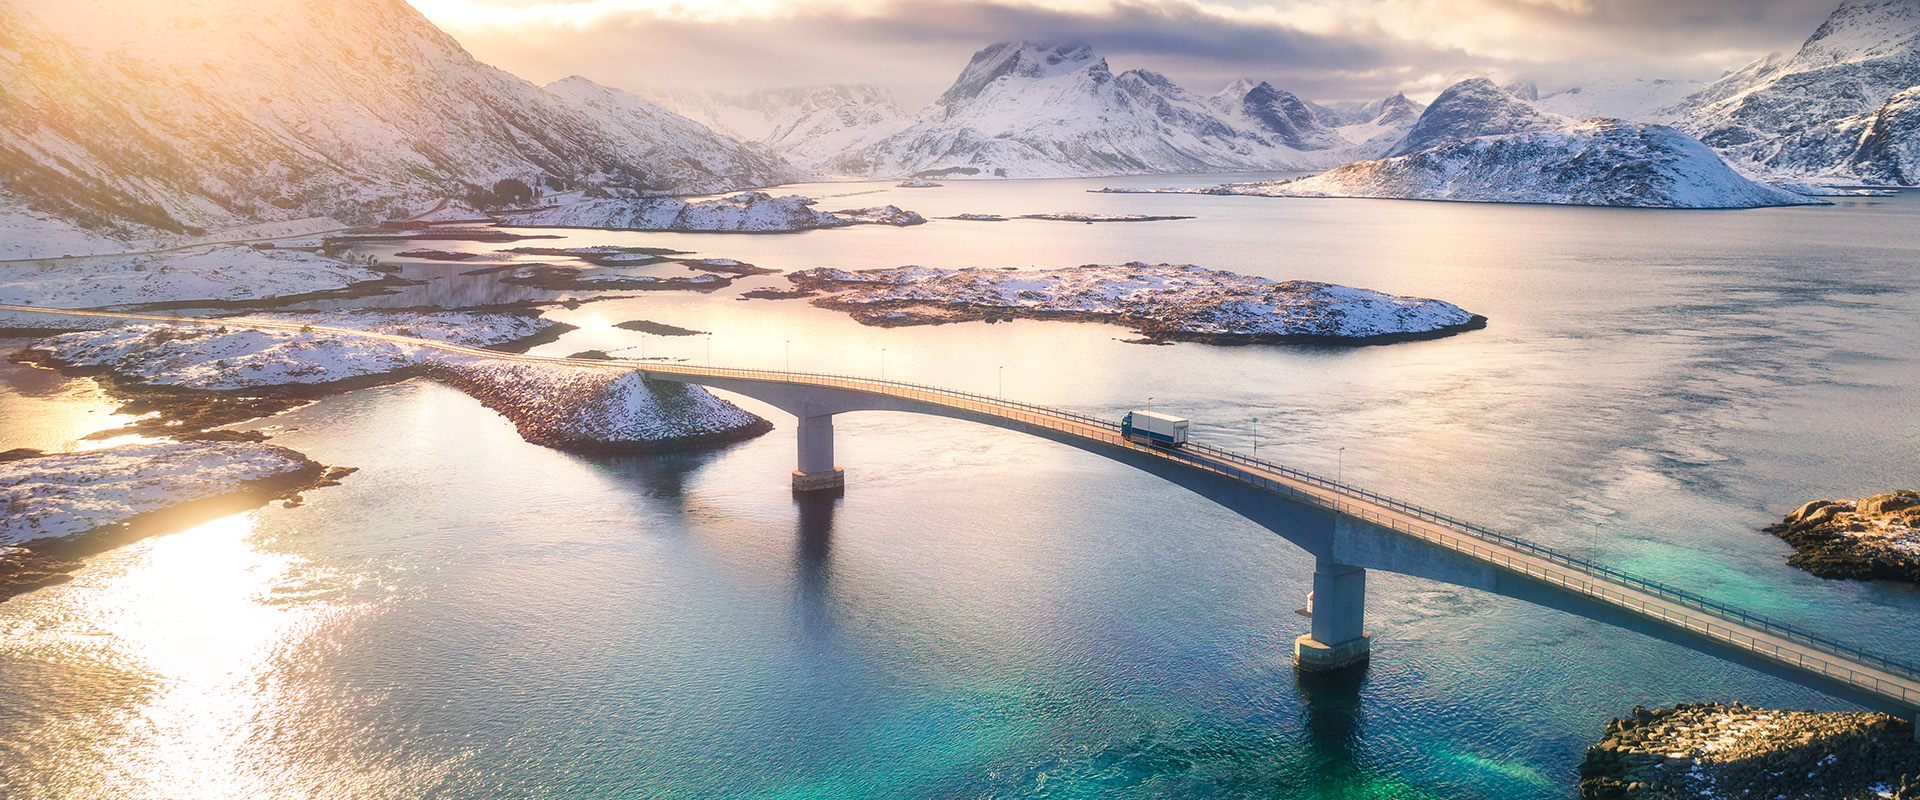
x=817, y=472
x=1339, y=638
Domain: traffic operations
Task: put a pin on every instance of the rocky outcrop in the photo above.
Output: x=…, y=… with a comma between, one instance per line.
x=747, y=212
x=1734, y=751
x=1165, y=302
x=587, y=410
x=1875, y=537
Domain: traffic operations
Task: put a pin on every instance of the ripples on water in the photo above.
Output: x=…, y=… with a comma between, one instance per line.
x=987, y=615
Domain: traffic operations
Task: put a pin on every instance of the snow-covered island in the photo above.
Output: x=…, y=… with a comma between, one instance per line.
x=747, y=212
x=917, y=182
x=56, y=509
x=1163, y=301
x=229, y=275
x=1600, y=162
x=585, y=410
x=553, y=404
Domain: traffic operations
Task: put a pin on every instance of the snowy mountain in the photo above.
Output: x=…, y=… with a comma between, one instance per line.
x=635, y=125
x=1833, y=109
x=1373, y=127
x=1286, y=119
x=1032, y=110
x=809, y=126
x=201, y=113
x=1472, y=108
x=1638, y=100
x=1600, y=162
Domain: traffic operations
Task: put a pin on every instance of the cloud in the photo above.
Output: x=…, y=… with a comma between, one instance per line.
x=1326, y=49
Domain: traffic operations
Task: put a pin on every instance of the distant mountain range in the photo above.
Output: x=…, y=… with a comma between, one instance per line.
x=187, y=114
x=181, y=114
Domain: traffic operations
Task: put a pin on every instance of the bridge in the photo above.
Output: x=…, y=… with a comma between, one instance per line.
x=1346, y=529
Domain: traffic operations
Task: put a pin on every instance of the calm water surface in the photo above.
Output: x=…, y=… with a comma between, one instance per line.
x=987, y=615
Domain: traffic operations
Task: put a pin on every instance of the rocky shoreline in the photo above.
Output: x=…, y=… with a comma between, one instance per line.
x=1865, y=539
x=1735, y=751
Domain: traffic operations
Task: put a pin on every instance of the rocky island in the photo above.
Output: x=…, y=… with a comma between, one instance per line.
x=57, y=509
x=248, y=369
x=1165, y=302
x=747, y=212
x=1873, y=537
x=1719, y=750
x=1600, y=162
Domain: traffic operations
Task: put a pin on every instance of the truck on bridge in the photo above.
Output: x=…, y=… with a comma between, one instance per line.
x=1147, y=427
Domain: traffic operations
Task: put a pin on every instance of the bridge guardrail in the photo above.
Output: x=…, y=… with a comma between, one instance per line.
x=1474, y=538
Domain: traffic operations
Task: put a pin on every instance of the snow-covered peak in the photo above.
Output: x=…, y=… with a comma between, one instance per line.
x=757, y=116
x=1471, y=108
x=1638, y=100
x=1599, y=162
x=1020, y=60
x=1861, y=30
x=1806, y=115
x=1237, y=89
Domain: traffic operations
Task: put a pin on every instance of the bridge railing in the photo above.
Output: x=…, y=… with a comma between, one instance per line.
x=1472, y=539
x=1585, y=576
x=1679, y=596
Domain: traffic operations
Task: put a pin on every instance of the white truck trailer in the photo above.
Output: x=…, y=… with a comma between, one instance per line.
x=1147, y=427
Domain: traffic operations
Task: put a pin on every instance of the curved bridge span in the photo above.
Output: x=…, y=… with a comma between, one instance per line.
x=1348, y=530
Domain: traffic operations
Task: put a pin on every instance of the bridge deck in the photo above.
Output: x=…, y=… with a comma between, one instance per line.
x=1773, y=641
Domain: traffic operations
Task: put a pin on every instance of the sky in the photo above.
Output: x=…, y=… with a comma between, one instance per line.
x=1324, y=50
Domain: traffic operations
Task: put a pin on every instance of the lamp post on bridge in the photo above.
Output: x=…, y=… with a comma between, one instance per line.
x=1340, y=475
x=709, y=350
x=1002, y=371
x=789, y=355
x=883, y=363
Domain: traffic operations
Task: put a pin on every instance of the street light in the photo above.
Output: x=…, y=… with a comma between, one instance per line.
x=883, y=363
x=1003, y=381
x=789, y=355
x=709, y=349
x=1341, y=475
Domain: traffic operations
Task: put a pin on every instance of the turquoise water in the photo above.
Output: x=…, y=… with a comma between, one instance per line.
x=987, y=615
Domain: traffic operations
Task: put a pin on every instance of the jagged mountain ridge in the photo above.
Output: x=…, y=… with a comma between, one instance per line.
x=1809, y=114
x=1021, y=109
x=1600, y=162
x=1473, y=108
x=201, y=113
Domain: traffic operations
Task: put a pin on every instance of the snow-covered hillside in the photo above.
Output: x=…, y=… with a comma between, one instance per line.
x=1033, y=110
x=1636, y=100
x=1809, y=114
x=1471, y=108
x=635, y=125
x=1373, y=127
x=809, y=126
x=1599, y=162
x=201, y=113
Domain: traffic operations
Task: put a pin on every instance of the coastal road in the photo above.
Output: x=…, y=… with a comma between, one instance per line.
x=1702, y=623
